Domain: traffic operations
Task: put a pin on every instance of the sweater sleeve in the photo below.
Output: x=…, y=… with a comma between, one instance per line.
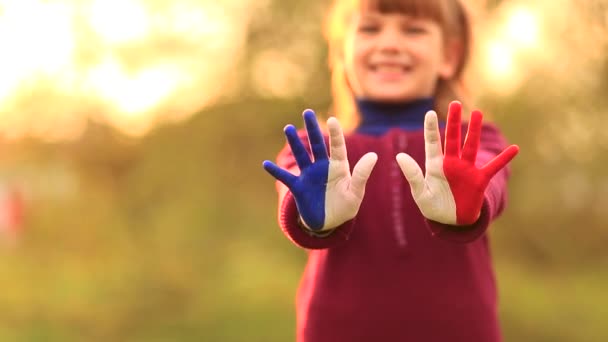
x=288, y=212
x=492, y=143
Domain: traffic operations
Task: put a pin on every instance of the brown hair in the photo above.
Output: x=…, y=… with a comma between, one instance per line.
x=452, y=17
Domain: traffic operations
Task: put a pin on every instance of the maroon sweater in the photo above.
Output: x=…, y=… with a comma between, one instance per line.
x=390, y=274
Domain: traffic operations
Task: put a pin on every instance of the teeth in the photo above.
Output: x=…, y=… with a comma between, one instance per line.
x=389, y=68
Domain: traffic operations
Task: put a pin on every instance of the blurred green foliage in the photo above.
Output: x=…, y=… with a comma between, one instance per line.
x=173, y=236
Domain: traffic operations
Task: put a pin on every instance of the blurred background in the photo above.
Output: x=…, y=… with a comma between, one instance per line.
x=133, y=204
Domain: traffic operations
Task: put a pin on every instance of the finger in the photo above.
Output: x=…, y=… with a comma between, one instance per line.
x=471, y=141
x=498, y=162
x=297, y=148
x=361, y=173
x=317, y=144
x=452, y=130
x=412, y=172
x=337, y=146
x=280, y=174
x=432, y=139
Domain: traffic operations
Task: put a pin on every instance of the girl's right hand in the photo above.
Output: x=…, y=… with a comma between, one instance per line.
x=326, y=194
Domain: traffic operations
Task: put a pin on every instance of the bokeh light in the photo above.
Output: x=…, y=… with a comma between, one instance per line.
x=522, y=27
x=131, y=63
x=119, y=21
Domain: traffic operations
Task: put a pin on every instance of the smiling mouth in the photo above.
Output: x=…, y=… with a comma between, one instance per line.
x=390, y=72
x=390, y=68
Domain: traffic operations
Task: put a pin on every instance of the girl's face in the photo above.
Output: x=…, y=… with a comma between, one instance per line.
x=395, y=57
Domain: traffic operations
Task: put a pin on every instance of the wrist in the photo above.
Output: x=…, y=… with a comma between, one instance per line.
x=317, y=233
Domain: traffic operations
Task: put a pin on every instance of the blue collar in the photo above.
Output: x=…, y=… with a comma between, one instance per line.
x=378, y=117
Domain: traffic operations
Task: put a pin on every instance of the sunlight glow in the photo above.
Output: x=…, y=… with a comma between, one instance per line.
x=522, y=27
x=512, y=44
x=23, y=48
x=134, y=94
x=499, y=59
x=187, y=21
x=127, y=62
x=119, y=21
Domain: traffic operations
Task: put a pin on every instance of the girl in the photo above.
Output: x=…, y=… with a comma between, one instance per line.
x=394, y=258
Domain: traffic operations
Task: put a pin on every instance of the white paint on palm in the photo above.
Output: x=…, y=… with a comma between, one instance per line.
x=344, y=191
x=431, y=192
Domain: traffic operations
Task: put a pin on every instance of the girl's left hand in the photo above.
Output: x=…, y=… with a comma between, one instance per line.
x=452, y=191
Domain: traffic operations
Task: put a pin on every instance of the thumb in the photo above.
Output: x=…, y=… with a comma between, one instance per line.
x=498, y=162
x=280, y=174
x=361, y=173
x=412, y=172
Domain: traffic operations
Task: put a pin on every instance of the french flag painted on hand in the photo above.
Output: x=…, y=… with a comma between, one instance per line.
x=325, y=192
x=452, y=191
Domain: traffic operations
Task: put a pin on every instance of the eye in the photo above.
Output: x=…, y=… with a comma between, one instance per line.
x=368, y=28
x=414, y=29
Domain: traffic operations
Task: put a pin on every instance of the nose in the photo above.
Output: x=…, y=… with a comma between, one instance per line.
x=389, y=41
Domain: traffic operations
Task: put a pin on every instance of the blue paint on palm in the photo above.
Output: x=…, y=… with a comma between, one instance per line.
x=310, y=186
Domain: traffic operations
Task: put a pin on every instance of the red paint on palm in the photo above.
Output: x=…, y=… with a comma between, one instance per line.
x=467, y=182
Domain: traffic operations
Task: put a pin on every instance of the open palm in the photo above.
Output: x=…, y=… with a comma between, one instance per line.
x=452, y=191
x=325, y=192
